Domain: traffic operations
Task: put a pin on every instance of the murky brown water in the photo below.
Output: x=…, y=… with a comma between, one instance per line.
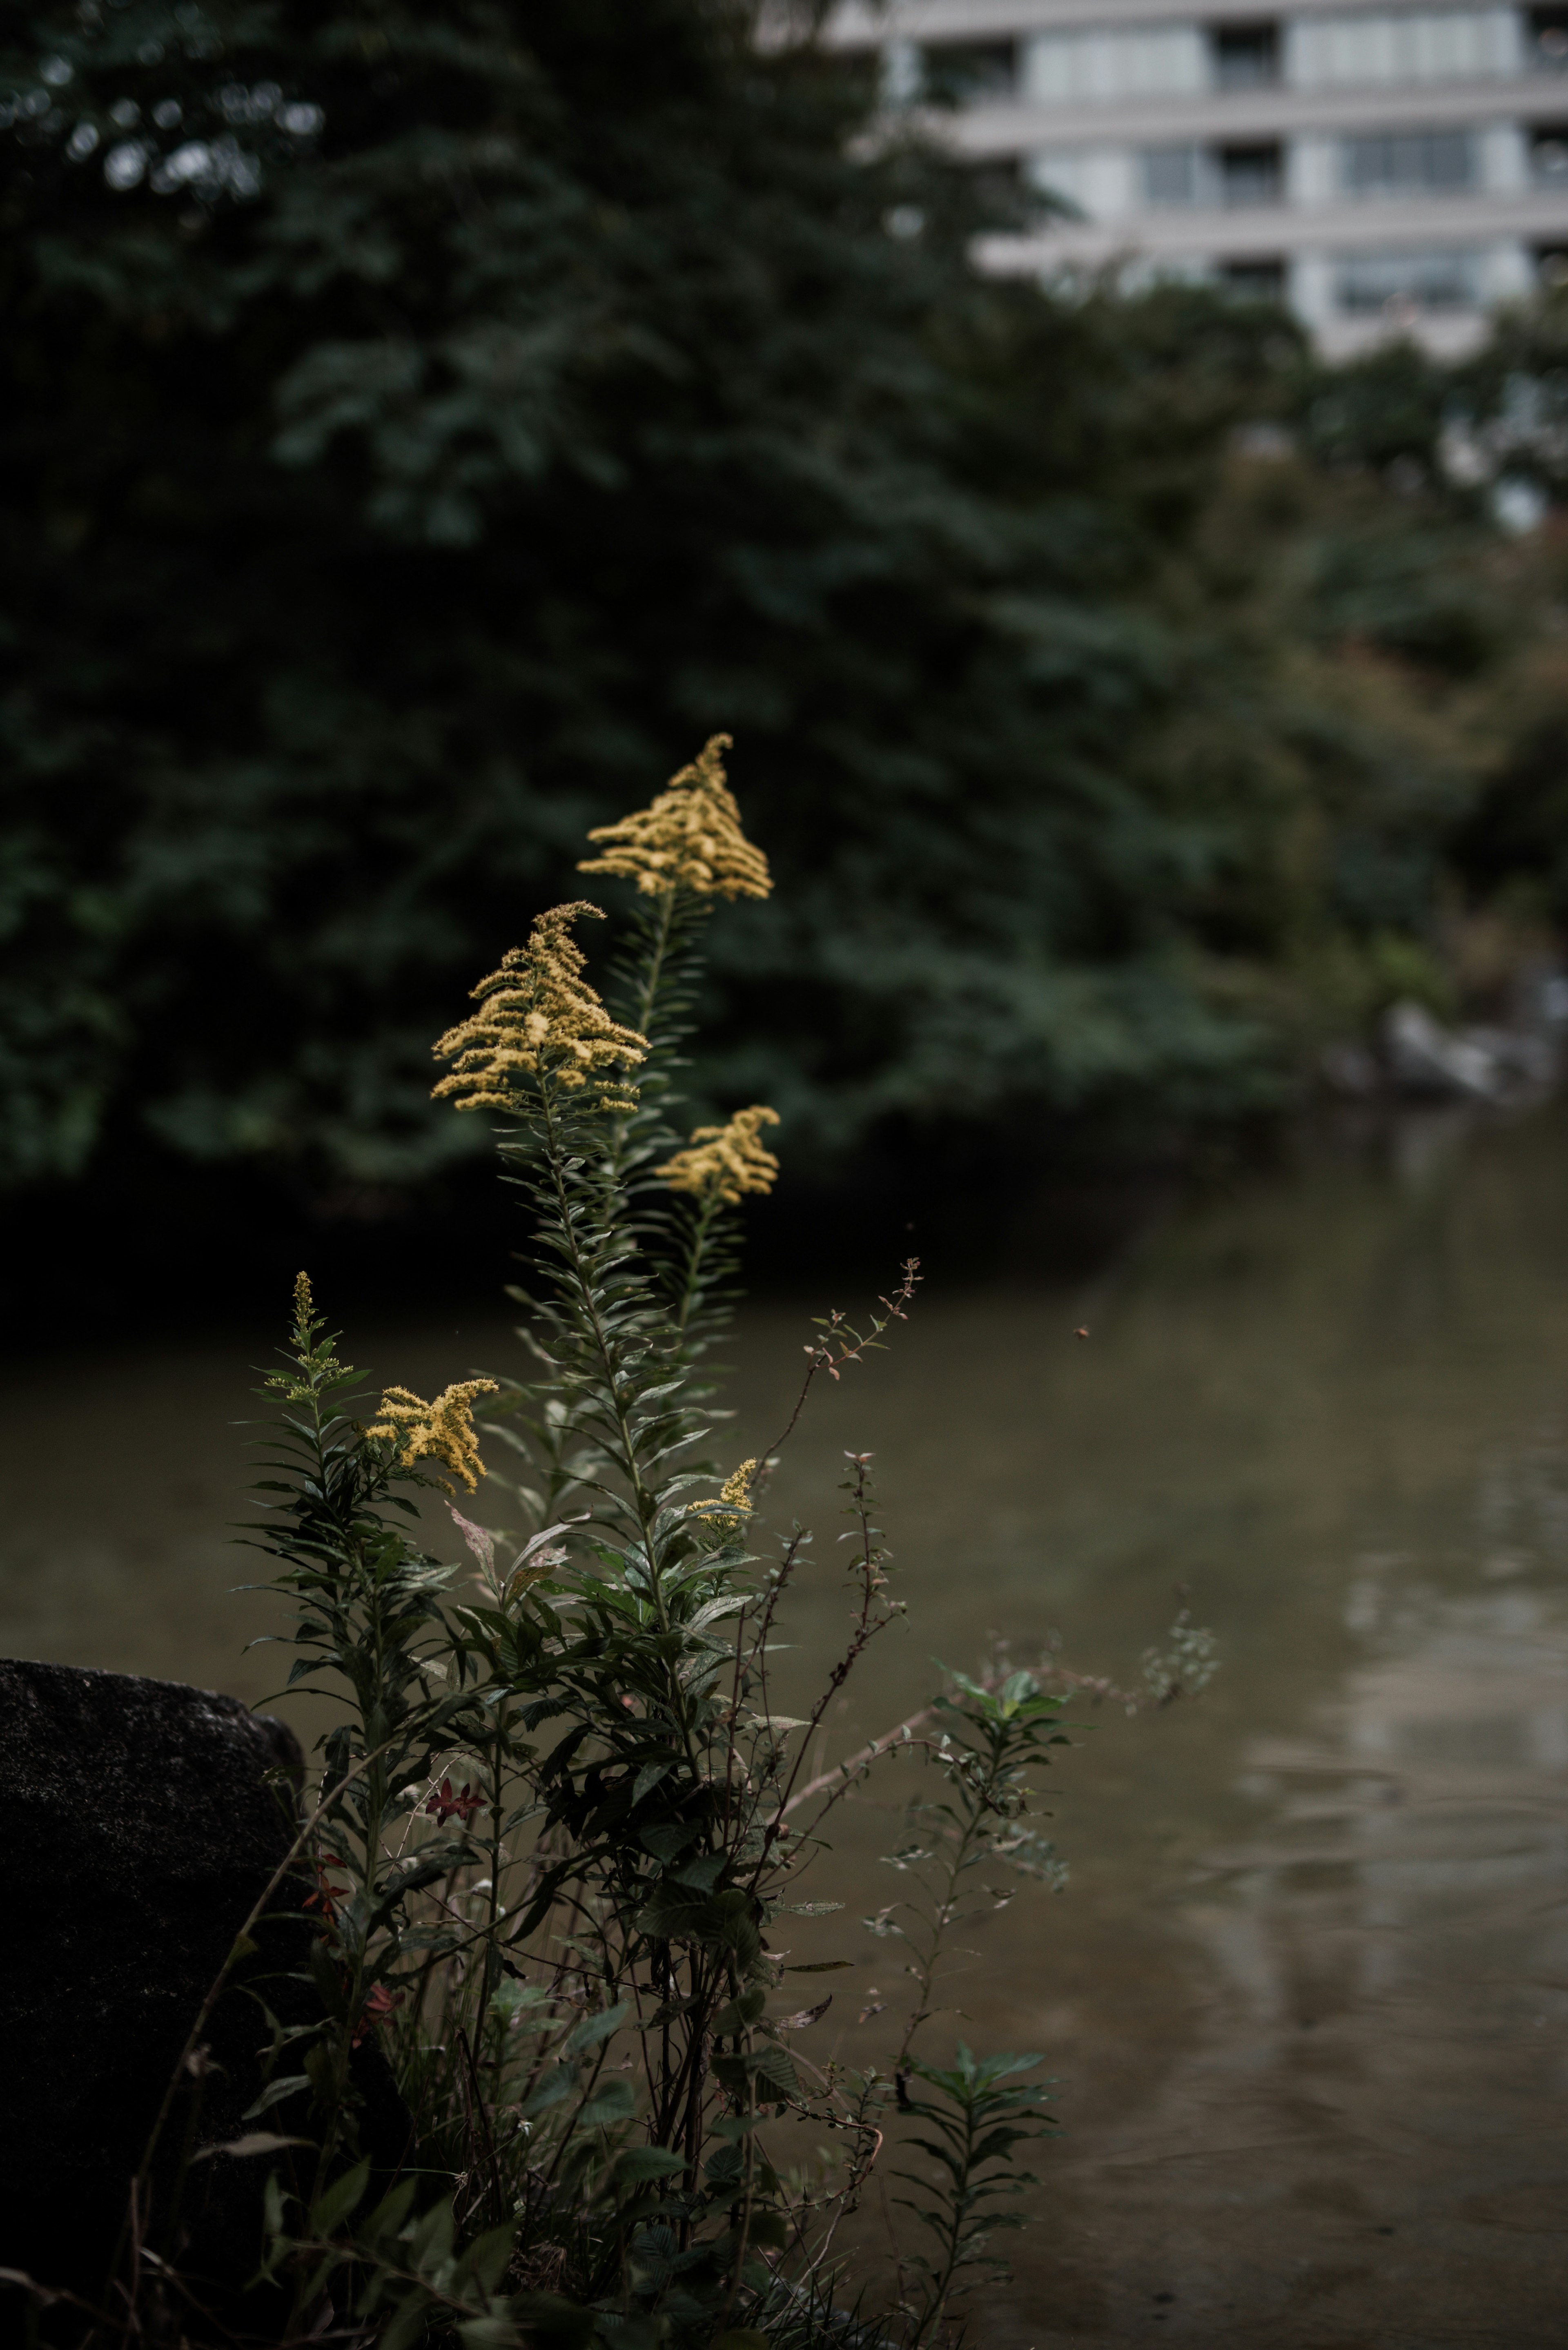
x=1306, y=1995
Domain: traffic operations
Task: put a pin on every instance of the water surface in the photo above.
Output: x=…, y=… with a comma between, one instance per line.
x=1306, y=1994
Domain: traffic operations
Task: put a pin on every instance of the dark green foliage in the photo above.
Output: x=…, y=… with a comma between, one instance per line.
x=1513, y=846
x=1421, y=575
x=562, y=396
x=978, y=2114
x=1387, y=409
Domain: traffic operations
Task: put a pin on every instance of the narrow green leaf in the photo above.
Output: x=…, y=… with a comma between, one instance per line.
x=344, y=2196
x=274, y=2095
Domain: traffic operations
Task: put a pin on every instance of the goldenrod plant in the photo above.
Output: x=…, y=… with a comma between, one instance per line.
x=557, y=1815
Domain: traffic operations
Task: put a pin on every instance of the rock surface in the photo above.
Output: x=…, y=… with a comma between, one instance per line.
x=142, y=1820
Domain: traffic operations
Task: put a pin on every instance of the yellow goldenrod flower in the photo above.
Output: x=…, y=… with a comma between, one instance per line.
x=304, y=1302
x=442, y=1430
x=724, y=1162
x=690, y=838
x=737, y=1490
x=537, y=1017
x=734, y=1500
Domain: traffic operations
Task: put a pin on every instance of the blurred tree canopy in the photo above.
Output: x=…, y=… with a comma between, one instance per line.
x=423, y=427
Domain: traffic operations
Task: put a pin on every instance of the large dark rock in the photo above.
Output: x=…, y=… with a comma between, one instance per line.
x=139, y=1821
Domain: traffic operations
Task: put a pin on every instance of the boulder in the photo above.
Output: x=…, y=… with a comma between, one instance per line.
x=140, y=1822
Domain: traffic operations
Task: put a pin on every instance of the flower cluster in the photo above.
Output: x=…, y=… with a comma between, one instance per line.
x=444, y=1805
x=442, y=1430
x=690, y=838
x=734, y=1500
x=725, y=1162
x=315, y=1363
x=736, y=1493
x=537, y=1017
x=380, y=2008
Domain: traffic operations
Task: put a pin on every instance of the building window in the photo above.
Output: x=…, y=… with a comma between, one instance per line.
x=1406, y=45
x=1408, y=281
x=1244, y=56
x=1077, y=183
x=1408, y=162
x=1251, y=175
x=1253, y=280
x=1107, y=67
x=1548, y=39
x=970, y=73
x=1170, y=175
x=1549, y=155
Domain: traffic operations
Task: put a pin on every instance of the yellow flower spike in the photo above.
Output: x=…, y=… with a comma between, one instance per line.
x=725, y=1162
x=442, y=1430
x=538, y=1017
x=315, y=1363
x=690, y=839
x=733, y=1501
x=737, y=1490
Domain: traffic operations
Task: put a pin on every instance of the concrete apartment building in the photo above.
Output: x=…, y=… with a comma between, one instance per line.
x=1381, y=167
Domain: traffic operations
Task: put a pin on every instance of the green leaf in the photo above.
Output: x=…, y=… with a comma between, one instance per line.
x=666, y=1842
x=701, y=1874
x=332, y=2208
x=637, y=2165
x=432, y=2244
x=275, y=2092
x=549, y=2090
x=487, y=2258
x=775, y=2068
x=738, y=2015
x=553, y=2318
x=252, y=2142
x=646, y=1779
x=387, y=2219
x=496, y=2333
x=510, y=1998
x=614, y=2100
x=409, y=2322
x=593, y=2029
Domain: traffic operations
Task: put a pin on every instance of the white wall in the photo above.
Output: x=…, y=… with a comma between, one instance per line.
x=1101, y=180
x=1502, y=159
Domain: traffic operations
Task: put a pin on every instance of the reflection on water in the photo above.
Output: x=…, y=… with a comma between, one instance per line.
x=1306, y=1996
x=1366, y=2140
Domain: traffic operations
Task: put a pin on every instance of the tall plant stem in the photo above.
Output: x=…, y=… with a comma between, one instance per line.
x=707, y=1216
x=658, y=955
x=642, y=1501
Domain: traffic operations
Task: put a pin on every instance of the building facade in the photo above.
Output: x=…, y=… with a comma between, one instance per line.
x=1382, y=169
